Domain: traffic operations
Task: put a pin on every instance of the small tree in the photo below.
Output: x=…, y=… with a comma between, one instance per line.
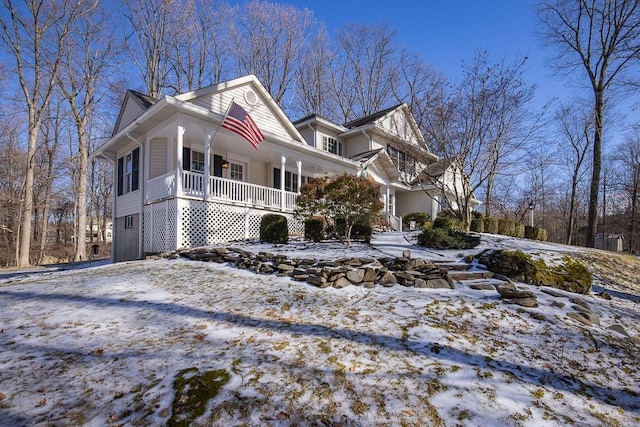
x=348, y=198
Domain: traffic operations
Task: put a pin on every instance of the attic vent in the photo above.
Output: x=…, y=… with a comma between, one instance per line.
x=250, y=97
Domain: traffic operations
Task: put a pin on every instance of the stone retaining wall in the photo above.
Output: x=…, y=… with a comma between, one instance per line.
x=367, y=272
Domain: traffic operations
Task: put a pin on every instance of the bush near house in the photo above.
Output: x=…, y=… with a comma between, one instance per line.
x=449, y=223
x=506, y=227
x=535, y=233
x=447, y=238
x=314, y=229
x=490, y=225
x=519, y=230
x=419, y=217
x=477, y=225
x=359, y=231
x=274, y=229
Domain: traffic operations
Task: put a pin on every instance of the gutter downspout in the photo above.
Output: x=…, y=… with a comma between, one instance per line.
x=113, y=208
x=142, y=191
x=368, y=137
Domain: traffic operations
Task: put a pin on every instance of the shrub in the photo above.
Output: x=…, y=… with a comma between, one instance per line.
x=446, y=238
x=535, y=233
x=419, y=217
x=506, y=227
x=491, y=225
x=448, y=223
x=274, y=229
x=477, y=225
x=314, y=229
x=519, y=230
x=359, y=231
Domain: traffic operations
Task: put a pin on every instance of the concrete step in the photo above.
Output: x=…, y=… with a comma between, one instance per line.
x=470, y=275
x=453, y=266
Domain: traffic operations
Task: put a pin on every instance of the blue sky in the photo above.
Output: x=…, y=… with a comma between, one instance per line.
x=446, y=32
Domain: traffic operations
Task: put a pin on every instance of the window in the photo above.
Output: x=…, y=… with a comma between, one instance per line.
x=197, y=161
x=290, y=180
x=128, y=221
x=331, y=145
x=236, y=171
x=129, y=172
x=403, y=161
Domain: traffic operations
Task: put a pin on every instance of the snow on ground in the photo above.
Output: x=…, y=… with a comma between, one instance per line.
x=103, y=346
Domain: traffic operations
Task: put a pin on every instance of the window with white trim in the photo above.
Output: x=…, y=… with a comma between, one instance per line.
x=403, y=161
x=197, y=161
x=128, y=221
x=331, y=145
x=128, y=172
x=236, y=171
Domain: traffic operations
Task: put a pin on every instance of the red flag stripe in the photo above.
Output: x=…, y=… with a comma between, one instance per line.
x=239, y=121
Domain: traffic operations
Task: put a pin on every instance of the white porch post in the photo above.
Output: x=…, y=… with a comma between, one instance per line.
x=179, y=159
x=283, y=201
x=434, y=208
x=387, y=207
x=207, y=164
x=299, y=165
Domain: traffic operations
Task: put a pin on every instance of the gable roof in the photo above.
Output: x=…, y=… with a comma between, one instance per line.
x=203, y=98
x=432, y=172
x=370, y=118
x=133, y=105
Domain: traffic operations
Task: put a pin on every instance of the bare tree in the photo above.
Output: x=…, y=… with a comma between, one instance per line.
x=364, y=69
x=200, y=57
x=268, y=39
x=628, y=157
x=89, y=52
x=481, y=123
x=313, y=77
x=574, y=126
x=33, y=34
x=153, y=27
x=601, y=39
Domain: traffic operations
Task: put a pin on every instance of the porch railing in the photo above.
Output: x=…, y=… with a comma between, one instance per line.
x=394, y=222
x=232, y=191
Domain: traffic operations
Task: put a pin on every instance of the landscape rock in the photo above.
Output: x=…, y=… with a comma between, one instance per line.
x=356, y=276
x=579, y=317
x=388, y=279
x=482, y=287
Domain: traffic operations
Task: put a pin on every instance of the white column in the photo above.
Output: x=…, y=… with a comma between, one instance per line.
x=283, y=163
x=179, y=159
x=299, y=165
x=387, y=201
x=207, y=164
x=146, y=161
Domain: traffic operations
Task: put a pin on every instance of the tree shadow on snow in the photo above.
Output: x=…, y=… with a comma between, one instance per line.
x=624, y=399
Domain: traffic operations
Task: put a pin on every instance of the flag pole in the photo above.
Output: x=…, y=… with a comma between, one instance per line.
x=226, y=113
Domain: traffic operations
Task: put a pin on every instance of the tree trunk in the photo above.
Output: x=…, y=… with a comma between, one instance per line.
x=592, y=220
x=80, y=252
x=572, y=207
x=27, y=201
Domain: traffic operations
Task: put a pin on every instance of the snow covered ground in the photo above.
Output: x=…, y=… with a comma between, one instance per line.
x=103, y=346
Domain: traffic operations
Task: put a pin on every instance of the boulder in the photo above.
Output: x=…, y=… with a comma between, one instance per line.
x=388, y=279
x=356, y=275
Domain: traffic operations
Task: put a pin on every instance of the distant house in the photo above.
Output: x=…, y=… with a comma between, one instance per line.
x=182, y=180
x=610, y=242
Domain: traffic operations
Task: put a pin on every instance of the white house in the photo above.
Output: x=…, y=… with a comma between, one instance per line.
x=182, y=180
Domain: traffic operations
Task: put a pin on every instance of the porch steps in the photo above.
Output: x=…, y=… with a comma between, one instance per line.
x=470, y=275
x=460, y=271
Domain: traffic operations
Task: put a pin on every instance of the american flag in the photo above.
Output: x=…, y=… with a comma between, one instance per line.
x=239, y=121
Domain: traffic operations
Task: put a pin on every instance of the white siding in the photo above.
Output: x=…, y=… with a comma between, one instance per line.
x=308, y=135
x=415, y=201
x=128, y=204
x=356, y=145
x=260, y=112
x=259, y=173
x=398, y=124
x=157, y=157
x=130, y=111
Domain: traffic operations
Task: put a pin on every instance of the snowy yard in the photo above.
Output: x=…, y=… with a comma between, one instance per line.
x=104, y=345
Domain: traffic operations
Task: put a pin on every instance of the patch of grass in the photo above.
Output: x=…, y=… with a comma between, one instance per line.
x=192, y=390
x=537, y=393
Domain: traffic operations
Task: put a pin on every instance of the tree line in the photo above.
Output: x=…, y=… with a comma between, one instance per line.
x=66, y=65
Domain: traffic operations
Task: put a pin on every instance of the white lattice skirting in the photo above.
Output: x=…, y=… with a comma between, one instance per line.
x=183, y=223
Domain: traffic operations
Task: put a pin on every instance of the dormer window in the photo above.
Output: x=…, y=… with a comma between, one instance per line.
x=331, y=145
